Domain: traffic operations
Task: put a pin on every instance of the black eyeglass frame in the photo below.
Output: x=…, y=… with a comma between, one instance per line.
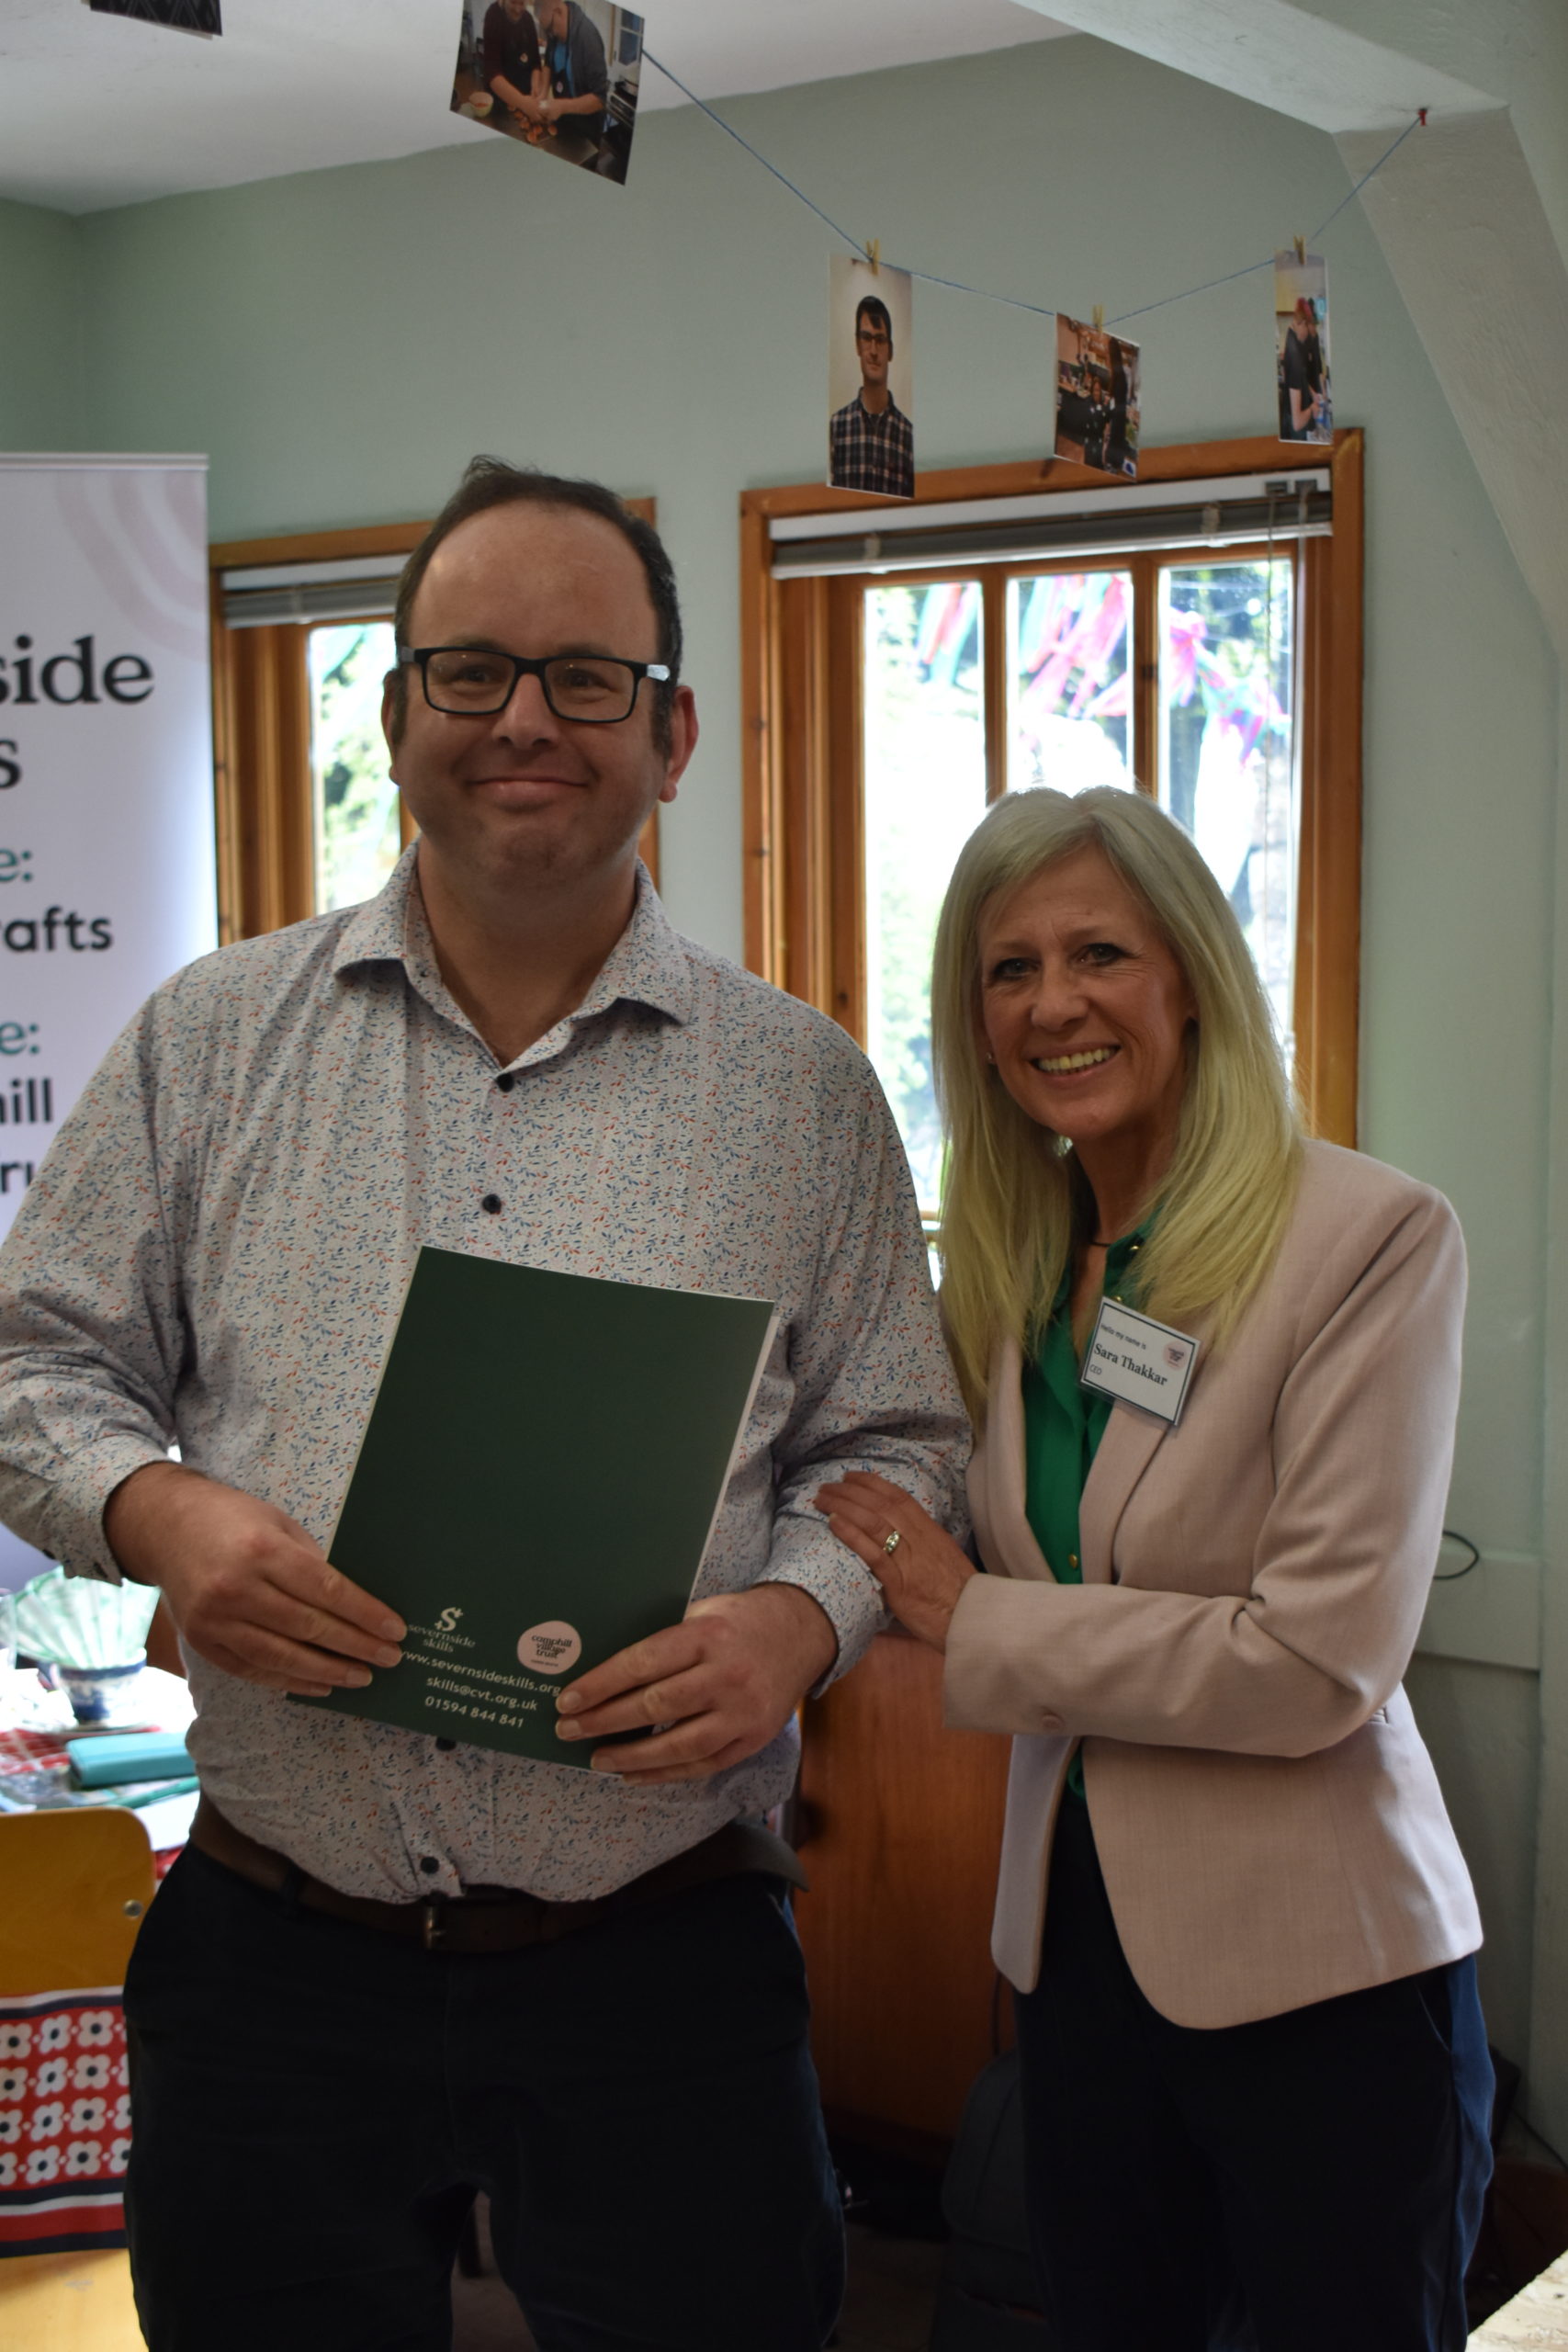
x=529, y=666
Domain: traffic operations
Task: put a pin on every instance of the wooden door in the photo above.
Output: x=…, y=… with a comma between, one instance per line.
x=899, y=1827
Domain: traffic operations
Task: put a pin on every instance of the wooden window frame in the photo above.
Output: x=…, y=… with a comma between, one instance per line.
x=263, y=791
x=802, y=732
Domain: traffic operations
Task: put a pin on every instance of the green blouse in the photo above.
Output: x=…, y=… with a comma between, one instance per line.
x=1063, y=1424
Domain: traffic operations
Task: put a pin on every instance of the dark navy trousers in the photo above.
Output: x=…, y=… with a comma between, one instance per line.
x=315, y=2104
x=1311, y=2182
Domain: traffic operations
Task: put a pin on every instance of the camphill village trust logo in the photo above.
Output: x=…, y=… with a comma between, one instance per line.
x=551, y=1648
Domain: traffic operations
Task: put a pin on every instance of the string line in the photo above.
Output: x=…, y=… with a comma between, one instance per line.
x=1268, y=262
x=1250, y=269
x=800, y=192
x=1418, y=124
x=1011, y=302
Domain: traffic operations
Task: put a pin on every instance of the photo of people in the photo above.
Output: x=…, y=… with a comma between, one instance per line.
x=871, y=432
x=1097, y=398
x=201, y=17
x=561, y=75
x=1301, y=346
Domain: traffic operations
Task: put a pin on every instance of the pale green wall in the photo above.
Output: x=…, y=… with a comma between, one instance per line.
x=340, y=342
x=1482, y=1723
x=41, y=385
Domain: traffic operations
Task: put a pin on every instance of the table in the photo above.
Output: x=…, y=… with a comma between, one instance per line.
x=572, y=142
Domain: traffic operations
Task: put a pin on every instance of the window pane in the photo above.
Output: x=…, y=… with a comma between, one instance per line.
x=1070, y=724
x=1227, y=771
x=925, y=792
x=357, y=836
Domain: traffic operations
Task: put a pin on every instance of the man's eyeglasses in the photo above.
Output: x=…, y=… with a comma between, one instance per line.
x=472, y=682
x=872, y=335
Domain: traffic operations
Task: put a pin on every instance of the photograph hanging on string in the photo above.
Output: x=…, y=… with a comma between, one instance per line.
x=1301, y=346
x=870, y=377
x=561, y=75
x=1097, y=398
x=201, y=17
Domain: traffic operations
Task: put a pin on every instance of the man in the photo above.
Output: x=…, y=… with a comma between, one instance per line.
x=391, y=1967
x=513, y=66
x=871, y=441
x=1098, y=422
x=574, y=61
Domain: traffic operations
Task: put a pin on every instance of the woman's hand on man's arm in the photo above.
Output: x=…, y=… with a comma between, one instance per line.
x=924, y=1574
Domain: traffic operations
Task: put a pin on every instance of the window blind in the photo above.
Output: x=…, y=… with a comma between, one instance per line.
x=344, y=588
x=1225, y=512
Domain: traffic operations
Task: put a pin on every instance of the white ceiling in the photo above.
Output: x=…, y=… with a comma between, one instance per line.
x=98, y=110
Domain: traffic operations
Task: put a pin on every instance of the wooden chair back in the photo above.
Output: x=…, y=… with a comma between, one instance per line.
x=74, y=1886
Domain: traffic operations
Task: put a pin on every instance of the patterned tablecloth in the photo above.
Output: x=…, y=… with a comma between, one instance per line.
x=64, y=2120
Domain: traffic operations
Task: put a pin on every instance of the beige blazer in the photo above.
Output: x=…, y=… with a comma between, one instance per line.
x=1268, y=1818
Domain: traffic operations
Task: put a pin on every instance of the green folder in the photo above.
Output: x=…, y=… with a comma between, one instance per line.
x=536, y=1486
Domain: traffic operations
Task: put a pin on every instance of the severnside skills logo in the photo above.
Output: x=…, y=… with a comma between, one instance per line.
x=69, y=681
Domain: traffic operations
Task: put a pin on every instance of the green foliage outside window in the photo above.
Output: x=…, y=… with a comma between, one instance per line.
x=358, y=828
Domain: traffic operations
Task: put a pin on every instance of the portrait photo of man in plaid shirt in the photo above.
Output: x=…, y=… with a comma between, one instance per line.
x=871, y=441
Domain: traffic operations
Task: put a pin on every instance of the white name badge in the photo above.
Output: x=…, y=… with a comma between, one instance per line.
x=1139, y=1361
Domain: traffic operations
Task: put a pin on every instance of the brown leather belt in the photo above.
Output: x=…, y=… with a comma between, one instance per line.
x=489, y=1919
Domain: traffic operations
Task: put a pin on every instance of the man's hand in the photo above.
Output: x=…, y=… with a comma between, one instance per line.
x=248, y=1588
x=723, y=1682
x=517, y=102
x=923, y=1575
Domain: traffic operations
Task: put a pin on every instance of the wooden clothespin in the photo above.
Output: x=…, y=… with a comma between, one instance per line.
x=873, y=256
x=1301, y=250
x=1099, y=318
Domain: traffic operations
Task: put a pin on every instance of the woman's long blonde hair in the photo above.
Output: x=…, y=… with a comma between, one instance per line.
x=1009, y=1186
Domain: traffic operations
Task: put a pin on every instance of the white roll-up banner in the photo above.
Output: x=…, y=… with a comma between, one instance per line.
x=107, y=861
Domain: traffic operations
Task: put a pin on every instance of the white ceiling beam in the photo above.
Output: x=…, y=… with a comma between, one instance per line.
x=1279, y=54
x=1463, y=228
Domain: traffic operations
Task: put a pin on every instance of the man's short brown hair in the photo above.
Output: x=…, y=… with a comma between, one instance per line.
x=491, y=482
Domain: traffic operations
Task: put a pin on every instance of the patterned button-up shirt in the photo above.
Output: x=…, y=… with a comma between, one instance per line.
x=217, y=1247
x=872, y=449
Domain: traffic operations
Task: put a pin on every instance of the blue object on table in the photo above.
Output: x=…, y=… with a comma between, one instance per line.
x=132, y=1756
x=93, y=1690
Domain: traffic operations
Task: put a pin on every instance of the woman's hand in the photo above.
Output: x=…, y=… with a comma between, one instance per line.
x=924, y=1573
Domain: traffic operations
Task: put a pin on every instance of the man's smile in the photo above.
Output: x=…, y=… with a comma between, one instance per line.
x=523, y=788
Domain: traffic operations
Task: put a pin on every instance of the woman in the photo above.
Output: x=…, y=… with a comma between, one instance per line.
x=1255, y=2077
x=1303, y=396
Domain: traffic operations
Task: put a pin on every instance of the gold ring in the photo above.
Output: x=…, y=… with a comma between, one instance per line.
x=893, y=1542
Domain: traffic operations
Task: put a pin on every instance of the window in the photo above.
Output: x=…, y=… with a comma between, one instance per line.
x=356, y=811
x=307, y=819
x=1196, y=638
